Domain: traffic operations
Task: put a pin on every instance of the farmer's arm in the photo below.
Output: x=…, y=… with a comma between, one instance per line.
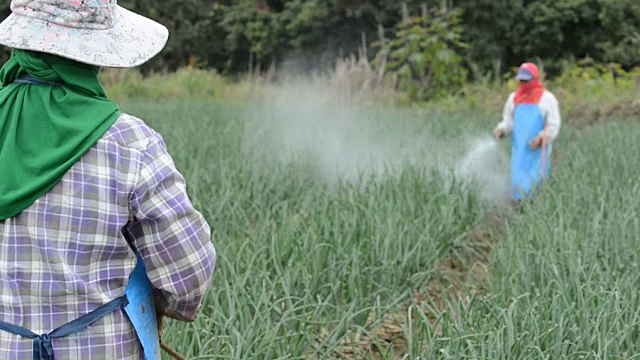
x=506, y=125
x=173, y=238
x=551, y=112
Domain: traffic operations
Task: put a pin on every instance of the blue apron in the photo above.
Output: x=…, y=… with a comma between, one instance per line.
x=526, y=165
x=142, y=310
x=137, y=301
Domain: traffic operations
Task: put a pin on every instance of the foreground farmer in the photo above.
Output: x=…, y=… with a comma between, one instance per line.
x=88, y=193
x=532, y=116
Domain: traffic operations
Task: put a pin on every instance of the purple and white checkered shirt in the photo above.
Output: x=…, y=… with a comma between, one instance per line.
x=65, y=255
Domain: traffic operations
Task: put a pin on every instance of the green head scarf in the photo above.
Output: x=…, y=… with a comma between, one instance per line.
x=45, y=129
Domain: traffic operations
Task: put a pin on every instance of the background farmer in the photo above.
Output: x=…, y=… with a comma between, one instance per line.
x=78, y=179
x=532, y=115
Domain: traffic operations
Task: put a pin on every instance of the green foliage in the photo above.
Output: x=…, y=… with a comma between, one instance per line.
x=621, y=40
x=554, y=31
x=304, y=34
x=235, y=36
x=424, y=54
x=587, y=69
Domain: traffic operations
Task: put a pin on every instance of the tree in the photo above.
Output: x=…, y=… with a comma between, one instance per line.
x=424, y=54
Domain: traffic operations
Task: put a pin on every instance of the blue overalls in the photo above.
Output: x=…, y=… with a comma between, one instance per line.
x=526, y=164
x=137, y=302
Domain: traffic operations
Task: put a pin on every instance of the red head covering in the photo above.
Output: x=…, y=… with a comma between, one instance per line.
x=529, y=92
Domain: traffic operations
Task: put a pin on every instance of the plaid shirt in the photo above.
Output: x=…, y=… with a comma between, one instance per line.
x=65, y=255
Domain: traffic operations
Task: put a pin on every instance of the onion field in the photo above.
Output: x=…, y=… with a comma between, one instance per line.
x=383, y=234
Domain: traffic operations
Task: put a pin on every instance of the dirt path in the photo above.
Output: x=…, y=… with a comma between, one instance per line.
x=465, y=270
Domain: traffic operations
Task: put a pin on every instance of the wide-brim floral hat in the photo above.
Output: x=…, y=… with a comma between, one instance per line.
x=96, y=32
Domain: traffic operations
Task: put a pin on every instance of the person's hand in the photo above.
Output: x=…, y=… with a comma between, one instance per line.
x=536, y=142
x=498, y=133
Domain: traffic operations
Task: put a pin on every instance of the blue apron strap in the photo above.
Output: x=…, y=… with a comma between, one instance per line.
x=42, y=347
x=87, y=320
x=29, y=80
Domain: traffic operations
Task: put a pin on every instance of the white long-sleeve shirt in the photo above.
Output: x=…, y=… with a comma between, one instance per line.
x=550, y=113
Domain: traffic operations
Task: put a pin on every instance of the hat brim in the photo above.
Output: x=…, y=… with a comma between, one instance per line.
x=133, y=40
x=524, y=77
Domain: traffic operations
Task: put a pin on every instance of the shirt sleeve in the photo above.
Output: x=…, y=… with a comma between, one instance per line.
x=172, y=237
x=551, y=113
x=506, y=125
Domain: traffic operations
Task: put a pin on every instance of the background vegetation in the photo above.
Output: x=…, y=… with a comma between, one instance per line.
x=417, y=38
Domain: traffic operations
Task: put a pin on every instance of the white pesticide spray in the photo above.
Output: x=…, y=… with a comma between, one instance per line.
x=485, y=164
x=343, y=143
